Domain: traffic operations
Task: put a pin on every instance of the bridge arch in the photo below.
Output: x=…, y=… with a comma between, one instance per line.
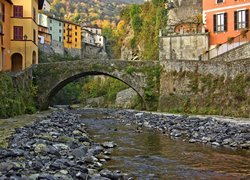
x=53, y=91
x=51, y=77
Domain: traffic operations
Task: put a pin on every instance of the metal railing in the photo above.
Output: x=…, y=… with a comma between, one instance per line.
x=231, y=43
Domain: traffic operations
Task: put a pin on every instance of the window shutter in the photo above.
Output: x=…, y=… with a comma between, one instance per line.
x=215, y=23
x=235, y=20
x=247, y=18
x=225, y=21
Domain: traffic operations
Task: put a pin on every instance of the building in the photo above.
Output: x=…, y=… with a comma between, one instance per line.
x=44, y=36
x=46, y=6
x=5, y=56
x=94, y=29
x=93, y=35
x=24, y=33
x=184, y=37
x=226, y=20
x=56, y=28
x=72, y=38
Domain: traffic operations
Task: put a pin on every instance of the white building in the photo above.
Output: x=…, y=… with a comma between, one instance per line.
x=46, y=6
x=93, y=29
x=93, y=36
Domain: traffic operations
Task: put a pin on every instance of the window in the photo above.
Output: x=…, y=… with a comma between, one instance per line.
x=76, y=33
x=60, y=38
x=241, y=19
x=220, y=22
x=18, y=33
x=51, y=21
x=3, y=12
x=34, y=14
x=60, y=24
x=34, y=36
x=18, y=11
x=75, y=27
x=50, y=28
x=60, y=30
x=219, y=1
x=75, y=39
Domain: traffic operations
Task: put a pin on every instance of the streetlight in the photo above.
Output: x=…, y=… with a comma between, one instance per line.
x=25, y=40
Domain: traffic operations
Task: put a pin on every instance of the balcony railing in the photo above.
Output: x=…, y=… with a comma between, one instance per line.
x=231, y=43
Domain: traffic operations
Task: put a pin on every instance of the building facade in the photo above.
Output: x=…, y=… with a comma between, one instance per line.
x=46, y=6
x=225, y=19
x=5, y=56
x=72, y=38
x=24, y=33
x=56, y=28
x=44, y=36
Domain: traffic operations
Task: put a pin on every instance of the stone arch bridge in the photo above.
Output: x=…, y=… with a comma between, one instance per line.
x=139, y=75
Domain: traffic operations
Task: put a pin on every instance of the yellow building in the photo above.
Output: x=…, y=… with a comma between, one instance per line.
x=5, y=13
x=24, y=33
x=72, y=35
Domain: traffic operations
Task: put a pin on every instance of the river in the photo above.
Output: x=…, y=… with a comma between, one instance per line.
x=153, y=155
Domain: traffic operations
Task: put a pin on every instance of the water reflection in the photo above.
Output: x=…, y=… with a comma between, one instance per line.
x=151, y=155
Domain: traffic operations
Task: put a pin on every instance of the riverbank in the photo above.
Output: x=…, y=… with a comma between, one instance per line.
x=55, y=147
x=214, y=131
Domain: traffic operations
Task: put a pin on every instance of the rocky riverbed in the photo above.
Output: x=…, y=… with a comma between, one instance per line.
x=208, y=130
x=59, y=147
x=56, y=147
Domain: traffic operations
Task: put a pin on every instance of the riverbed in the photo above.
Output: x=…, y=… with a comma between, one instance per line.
x=150, y=154
x=69, y=144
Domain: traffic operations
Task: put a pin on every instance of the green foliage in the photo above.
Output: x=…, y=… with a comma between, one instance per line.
x=69, y=94
x=146, y=20
x=15, y=101
x=97, y=87
x=130, y=69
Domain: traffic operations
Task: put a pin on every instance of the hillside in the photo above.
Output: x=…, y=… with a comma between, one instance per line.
x=90, y=11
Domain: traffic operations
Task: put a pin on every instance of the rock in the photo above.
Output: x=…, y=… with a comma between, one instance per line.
x=245, y=145
x=111, y=175
x=61, y=146
x=79, y=152
x=65, y=172
x=82, y=176
x=215, y=144
x=41, y=148
x=192, y=141
x=125, y=98
x=109, y=144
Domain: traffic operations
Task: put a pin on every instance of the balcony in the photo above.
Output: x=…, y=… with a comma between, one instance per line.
x=69, y=40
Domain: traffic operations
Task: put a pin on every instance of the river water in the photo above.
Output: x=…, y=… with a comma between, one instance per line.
x=152, y=155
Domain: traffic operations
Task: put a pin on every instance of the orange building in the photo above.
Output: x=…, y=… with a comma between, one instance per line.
x=5, y=14
x=225, y=19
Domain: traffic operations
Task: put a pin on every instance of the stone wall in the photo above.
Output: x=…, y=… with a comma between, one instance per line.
x=74, y=52
x=184, y=11
x=58, y=47
x=184, y=46
x=211, y=87
x=93, y=52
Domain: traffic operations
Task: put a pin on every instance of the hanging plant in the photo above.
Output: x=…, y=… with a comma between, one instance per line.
x=243, y=33
x=230, y=40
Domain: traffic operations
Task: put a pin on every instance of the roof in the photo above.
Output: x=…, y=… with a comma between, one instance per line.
x=40, y=4
x=89, y=26
x=9, y=1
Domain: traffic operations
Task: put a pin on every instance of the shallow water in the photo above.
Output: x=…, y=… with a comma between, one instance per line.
x=151, y=155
